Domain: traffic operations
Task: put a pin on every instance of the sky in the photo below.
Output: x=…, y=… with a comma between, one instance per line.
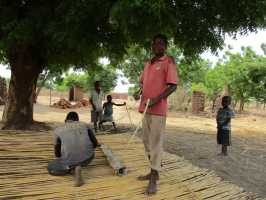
x=254, y=40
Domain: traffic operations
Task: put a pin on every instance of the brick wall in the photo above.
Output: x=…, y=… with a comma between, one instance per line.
x=198, y=102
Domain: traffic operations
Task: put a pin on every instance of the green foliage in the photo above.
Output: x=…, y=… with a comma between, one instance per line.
x=60, y=33
x=132, y=90
x=78, y=32
x=190, y=70
x=195, y=25
x=198, y=87
x=258, y=78
x=238, y=68
x=193, y=71
x=215, y=80
x=133, y=63
x=49, y=77
x=243, y=72
x=106, y=75
x=73, y=79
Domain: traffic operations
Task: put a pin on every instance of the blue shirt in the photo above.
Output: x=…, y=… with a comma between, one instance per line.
x=223, y=118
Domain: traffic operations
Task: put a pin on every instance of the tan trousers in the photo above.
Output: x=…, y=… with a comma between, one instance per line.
x=153, y=127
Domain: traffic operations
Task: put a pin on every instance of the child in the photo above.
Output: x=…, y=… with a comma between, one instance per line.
x=108, y=111
x=223, y=120
x=74, y=147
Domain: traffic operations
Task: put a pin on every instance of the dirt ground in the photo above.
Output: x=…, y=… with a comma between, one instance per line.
x=194, y=137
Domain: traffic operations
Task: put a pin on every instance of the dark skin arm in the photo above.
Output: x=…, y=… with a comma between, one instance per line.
x=93, y=106
x=137, y=94
x=57, y=148
x=225, y=122
x=93, y=138
x=169, y=90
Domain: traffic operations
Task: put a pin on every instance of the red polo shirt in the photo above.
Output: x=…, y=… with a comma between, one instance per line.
x=154, y=79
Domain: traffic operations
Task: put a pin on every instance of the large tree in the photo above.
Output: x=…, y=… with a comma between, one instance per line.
x=245, y=73
x=39, y=33
x=106, y=74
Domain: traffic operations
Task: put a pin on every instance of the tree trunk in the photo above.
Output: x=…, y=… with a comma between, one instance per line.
x=213, y=105
x=41, y=86
x=241, y=105
x=235, y=102
x=214, y=101
x=25, y=69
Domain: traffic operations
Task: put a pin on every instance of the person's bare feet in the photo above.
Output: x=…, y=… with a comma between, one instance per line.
x=146, y=177
x=152, y=186
x=222, y=154
x=78, y=177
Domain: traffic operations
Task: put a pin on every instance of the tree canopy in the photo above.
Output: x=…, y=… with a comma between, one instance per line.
x=39, y=34
x=78, y=32
x=106, y=75
x=194, y=25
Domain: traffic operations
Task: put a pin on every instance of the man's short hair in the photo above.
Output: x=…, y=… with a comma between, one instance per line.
x=72, y=116
x=97, y=82
x=160, y=36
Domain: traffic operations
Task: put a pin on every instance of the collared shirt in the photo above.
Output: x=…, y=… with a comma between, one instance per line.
x=97, y=99
x=154, y=79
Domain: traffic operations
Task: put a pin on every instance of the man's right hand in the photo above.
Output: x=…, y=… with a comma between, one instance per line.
x=136, y=96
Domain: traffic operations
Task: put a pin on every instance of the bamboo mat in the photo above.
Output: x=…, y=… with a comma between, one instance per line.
x=23, y=174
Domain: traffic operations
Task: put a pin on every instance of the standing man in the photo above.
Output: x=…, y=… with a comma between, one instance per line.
x=96, y=103
x=158, y=81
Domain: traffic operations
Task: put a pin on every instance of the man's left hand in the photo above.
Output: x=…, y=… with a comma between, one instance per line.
x=153, y=102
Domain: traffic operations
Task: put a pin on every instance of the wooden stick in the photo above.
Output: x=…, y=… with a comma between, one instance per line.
x=114, y=161
x=139, y=125
x=129, y=117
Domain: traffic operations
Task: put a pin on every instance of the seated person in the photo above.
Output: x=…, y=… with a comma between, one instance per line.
x=108, y=111
x=74, y=147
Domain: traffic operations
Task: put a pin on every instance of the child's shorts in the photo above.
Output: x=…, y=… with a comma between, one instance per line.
x=224, y=137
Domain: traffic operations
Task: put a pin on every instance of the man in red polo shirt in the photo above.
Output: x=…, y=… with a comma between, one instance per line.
x=158, y=81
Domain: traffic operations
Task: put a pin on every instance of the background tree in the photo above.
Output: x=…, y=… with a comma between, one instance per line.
x=191, y=69
x=243, y=72
x=237, y=68
x=39, y=34
x=215, y=81
x=47, y=78
x=35, y=34
x=106, y=74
